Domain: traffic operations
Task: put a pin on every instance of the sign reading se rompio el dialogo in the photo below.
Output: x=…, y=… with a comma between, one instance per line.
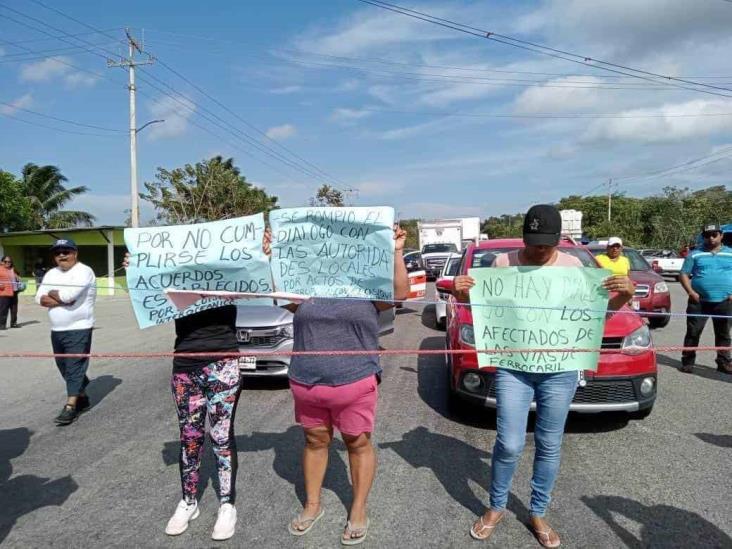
x=334, y=252
x=216, y=256
x=546, y=309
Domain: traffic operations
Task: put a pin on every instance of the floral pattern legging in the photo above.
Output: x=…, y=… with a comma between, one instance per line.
x=208, y=390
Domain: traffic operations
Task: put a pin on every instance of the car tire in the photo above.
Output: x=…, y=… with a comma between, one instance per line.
x=659, y=321
x=440, y=324
x=641, y=414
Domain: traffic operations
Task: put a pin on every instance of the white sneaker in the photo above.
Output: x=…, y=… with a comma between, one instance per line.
x=184, y=513
x=225, y=523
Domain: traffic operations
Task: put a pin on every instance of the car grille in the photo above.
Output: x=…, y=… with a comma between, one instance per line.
x=596, y=392
x=435, y=263
x=251, y=338
x=642, y=290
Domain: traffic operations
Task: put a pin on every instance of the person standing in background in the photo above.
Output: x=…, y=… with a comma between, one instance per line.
x=69, y=292
x=706, y=276
x=8, y=285
x=18, y=286
x=39, y=272
x=613, y=258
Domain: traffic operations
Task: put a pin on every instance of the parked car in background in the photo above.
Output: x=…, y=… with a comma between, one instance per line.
x=441, y=296
x=624, y=381
x=664, y=262
x=413, y=261
x=652, y=294
x=269, y=329
x=435, y=256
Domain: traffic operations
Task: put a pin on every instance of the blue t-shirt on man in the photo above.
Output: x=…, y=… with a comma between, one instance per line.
x=711, y=273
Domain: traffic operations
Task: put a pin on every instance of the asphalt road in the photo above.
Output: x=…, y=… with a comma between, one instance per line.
x=111, y=479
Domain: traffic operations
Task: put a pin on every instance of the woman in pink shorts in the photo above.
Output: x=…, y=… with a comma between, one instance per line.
x=339, y=392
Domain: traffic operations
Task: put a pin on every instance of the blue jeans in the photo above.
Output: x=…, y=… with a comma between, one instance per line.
x=514, y=392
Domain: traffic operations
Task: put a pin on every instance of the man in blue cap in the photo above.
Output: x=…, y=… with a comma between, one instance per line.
x=707, y=277
x=69, y=291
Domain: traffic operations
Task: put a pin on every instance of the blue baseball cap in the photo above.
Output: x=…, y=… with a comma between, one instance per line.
x=64, y=243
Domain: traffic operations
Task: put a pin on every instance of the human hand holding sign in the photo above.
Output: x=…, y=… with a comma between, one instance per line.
x=461, y=286
x=400, y=238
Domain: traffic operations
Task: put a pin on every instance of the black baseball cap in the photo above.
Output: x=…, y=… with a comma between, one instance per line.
x=542, y=226
x=711, y=228
x=64, y=244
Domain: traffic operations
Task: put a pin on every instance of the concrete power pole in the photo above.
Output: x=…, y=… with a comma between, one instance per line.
x=609, y=199
x=131, y=63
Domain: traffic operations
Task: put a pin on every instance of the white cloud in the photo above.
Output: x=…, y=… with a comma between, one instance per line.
x=80, y=80
x=286, y=90
x=22, y=102
x=2, y=52
x=545, y=99
x=282, y=132
x=663, y=124
x=368, y=189
x=343, y=114
x=44, y=70
x=173, y=110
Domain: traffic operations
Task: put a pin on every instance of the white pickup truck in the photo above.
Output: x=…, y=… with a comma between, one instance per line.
x=664, y=262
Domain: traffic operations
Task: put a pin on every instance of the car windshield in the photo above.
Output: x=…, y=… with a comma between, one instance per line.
x=453, y=265
x=637, y=262
x=437, y=248
x=484, y=258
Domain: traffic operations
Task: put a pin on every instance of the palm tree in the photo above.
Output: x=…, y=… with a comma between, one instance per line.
x=44, y=188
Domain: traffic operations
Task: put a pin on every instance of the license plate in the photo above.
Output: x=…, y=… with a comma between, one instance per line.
x=247, y=362
x=635, y=305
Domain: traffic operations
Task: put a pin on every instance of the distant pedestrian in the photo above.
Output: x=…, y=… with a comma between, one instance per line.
x=8, y=293
x=707, y=277
x=613, y=258
x=39, y=272
x=684, y=252
x=69, y=291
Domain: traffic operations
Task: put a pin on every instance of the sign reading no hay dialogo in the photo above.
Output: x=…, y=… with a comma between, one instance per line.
x=549, y=310
x=217, y=256
x=334, y=252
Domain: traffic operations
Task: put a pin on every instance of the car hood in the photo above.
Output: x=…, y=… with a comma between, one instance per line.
x=645, y=277
x=256, y=316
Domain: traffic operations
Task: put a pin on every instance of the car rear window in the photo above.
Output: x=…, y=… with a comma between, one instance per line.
x=453, y=267
x=484, y=258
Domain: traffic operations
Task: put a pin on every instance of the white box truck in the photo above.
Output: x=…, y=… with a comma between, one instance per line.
x=439, y=238
x=572, y=223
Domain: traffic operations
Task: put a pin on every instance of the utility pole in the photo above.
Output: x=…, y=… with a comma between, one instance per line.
x=131, y=63
x=609, y=199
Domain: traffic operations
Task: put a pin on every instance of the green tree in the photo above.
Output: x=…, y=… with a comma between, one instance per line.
x=410, y=225
x=15, y=209
x=207, y=191
x=44, y=188
x=328, y=196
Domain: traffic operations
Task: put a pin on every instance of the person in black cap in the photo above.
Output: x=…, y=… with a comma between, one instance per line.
x=707, y=277
x=516, y=389
x=69, y=291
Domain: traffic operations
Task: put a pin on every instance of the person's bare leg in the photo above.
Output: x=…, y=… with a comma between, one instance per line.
x=362, y=459
x=314, y=464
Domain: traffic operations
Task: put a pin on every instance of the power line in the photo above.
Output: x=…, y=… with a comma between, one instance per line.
x=32, y=40
x=72, y=122
x=55, y=128
x=551, y=52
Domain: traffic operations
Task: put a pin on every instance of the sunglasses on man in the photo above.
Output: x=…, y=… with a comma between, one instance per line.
x=62, y=252
x=712, y=234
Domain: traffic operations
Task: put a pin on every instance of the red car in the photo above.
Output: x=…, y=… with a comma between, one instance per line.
x=652, y=294
x=624, y=381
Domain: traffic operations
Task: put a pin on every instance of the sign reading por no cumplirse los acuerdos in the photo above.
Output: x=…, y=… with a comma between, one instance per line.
x=217, y=256
x=537, y=315
x=334, y=252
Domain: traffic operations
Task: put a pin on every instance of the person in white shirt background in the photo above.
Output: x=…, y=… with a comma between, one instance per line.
x=69, y=291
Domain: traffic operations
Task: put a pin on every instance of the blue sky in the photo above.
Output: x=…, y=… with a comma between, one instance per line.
x=391, y=107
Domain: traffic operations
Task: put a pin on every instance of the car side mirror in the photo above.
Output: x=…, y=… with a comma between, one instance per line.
x=445, y=285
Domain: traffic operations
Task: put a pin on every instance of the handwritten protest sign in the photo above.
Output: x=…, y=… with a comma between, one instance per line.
x=219, y=256
x=568, y=313
x=334, y=252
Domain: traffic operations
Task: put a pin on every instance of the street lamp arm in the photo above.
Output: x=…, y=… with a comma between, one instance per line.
x=138, y=130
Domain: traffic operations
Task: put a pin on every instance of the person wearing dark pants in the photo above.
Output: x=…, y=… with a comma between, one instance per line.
x=69, y=291
x=707, y=277
x=7, y=290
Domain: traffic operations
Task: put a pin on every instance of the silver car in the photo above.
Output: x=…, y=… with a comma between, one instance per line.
x=261, y=328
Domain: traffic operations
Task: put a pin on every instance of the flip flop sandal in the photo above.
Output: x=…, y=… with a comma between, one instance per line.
x=348, y=539
x=310, y=523
x=478, y=534
x=544, y=538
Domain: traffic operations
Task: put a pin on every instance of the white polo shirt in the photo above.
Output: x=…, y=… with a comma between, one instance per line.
x=77, y=285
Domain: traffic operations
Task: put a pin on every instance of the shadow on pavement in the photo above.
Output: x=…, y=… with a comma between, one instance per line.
x=100, y=387
x=432, y=387
x=661, y=525
x=404, y=311
x=28, y=323
x=287, y=463
x=454, y=463
x=701, y=371
x=24, y=494
x=723, y=441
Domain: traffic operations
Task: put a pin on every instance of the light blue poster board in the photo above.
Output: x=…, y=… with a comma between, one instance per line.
x=217, y=256
x=334, y=252
x=538, y=314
